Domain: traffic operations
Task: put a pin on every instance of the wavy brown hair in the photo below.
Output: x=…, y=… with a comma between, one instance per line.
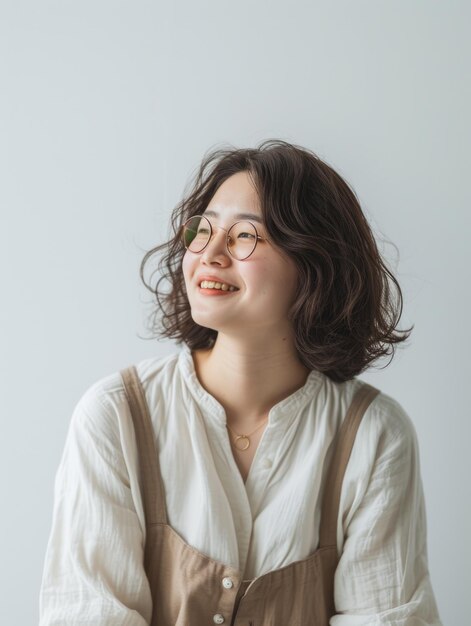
x=344, y=315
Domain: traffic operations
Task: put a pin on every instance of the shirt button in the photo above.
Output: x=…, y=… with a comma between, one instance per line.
x=267, y=463
x=218, y=618
x=227, y=582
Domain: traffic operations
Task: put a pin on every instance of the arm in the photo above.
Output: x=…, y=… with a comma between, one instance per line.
x=382, y=577
x=93, y=572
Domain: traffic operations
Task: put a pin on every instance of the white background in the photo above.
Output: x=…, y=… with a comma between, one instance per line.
x=106, y=109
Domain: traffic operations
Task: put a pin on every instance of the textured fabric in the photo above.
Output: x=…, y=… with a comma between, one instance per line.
x=188, y=587
x=94, y=565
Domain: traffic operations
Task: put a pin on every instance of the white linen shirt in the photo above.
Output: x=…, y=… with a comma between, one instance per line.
x=93, y=571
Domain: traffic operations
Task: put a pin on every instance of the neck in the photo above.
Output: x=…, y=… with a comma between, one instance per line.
x=249, y=380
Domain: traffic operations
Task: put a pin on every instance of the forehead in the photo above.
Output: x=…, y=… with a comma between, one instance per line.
x=235, y=198
x=236, y=216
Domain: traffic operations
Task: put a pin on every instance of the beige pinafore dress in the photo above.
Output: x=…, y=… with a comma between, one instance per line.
x=189, y=588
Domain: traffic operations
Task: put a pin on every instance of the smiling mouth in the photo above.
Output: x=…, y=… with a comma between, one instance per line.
x=209, y=285
x=208, y=291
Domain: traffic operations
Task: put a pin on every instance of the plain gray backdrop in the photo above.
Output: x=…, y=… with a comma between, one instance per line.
x=106, y=110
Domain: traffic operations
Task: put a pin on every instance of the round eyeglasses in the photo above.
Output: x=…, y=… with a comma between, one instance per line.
x=241, y=240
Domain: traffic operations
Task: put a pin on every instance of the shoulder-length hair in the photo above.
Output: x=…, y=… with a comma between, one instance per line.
x=344, y=315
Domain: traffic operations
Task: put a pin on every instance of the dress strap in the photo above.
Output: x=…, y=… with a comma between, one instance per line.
x=343, y=444
x=152, y=488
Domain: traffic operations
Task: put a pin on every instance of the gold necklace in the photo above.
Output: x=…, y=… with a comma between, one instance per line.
x=246, y=437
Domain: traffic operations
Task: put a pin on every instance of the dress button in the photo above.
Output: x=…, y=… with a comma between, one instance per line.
x=218, y=618
x=227, y=582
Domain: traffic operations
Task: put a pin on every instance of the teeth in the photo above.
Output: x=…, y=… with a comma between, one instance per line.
x=209, y=284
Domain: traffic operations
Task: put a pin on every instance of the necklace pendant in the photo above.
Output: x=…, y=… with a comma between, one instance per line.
x=242, y=437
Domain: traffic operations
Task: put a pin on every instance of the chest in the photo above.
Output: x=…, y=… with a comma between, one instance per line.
x=244, y=449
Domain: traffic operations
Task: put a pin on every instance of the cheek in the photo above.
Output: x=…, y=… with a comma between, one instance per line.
x=284, y=280
x=273, y=282
x=187, y=266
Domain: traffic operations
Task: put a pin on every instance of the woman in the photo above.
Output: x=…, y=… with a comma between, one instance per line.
x=250, y=477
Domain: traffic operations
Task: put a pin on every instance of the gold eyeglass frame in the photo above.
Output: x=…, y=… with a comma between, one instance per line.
x=227, y=236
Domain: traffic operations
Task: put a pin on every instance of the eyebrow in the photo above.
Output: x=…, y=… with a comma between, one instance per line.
x=239, y=216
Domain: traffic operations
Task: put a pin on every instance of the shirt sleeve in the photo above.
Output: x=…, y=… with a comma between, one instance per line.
x=93, y=571
x=382, y=577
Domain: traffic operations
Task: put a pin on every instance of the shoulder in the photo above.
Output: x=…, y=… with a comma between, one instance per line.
x=385, y=415
x=109, y=389
x=387, y=428
x=384, y=460
x=103, y=405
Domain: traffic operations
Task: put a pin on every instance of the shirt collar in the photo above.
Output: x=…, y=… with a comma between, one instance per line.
x=293, y=402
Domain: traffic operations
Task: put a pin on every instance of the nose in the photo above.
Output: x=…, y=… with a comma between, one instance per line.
x=216, y=245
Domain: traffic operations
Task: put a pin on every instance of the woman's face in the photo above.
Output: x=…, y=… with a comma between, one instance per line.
x=266, y=280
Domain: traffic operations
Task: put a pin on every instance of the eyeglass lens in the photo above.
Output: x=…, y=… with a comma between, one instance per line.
x=241, y=237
